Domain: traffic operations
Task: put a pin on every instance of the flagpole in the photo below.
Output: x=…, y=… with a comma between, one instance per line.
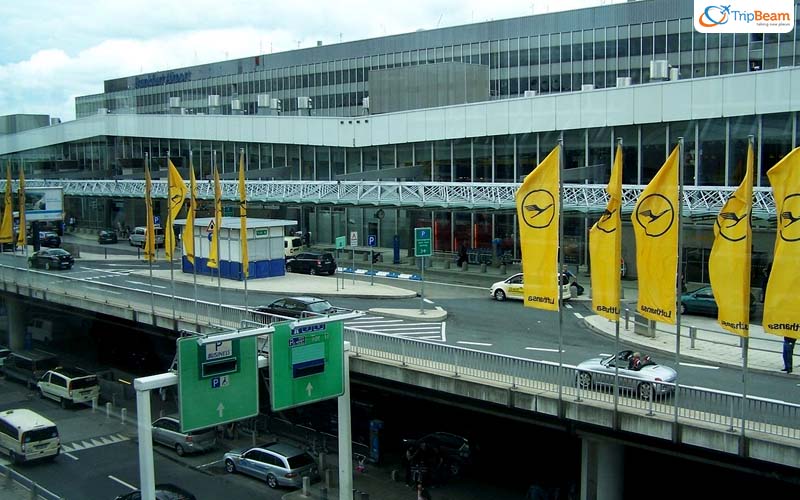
x=172, y=241
x=560, y=267
x=616, y=327
x=746, y=343
x=192, y=205
x=218, y=230
x=149, y=260
x=681, y=277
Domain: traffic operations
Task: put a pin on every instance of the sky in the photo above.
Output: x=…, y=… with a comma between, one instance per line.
x=54, y=50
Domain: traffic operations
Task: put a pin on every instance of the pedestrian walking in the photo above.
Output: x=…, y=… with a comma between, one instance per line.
x=765, y=280
x=788, y=353
x=462, y=254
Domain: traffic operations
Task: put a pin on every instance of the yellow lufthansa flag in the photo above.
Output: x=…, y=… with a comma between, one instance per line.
x=243, y=217
x=7, y=226
x=213, y=253
x=177, y=195
x=605, y=248
x=538, y=213
x=655, y=225
x=150, y=231
x=782, y=303
x=188, y=230
x=22, y=235
x=729, y=262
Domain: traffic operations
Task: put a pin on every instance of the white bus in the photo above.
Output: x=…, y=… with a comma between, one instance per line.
x=25, y=435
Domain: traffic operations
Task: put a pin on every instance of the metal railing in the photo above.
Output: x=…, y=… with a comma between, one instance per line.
x=699, y=405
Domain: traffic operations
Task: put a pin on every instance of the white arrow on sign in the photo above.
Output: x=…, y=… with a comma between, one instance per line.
x=309, y=389
x=220, y=409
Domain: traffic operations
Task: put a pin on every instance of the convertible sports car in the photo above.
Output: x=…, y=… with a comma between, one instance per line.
x=649, y=380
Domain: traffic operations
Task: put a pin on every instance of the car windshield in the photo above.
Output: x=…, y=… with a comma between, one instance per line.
x=299, y=461
x=320, y=306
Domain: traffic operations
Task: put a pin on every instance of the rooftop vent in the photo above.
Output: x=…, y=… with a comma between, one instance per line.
x=624, y=81
x=530, y=93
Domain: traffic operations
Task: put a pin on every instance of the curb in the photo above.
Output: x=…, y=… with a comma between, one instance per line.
x=439, y=315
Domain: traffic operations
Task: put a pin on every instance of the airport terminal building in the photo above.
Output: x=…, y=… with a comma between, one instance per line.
x=467, y=110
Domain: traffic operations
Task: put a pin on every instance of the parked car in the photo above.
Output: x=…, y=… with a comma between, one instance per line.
x=298, y=307
x=107, y=236
x=453, y=449
x=701, y=301
x=292, y=245
x=279, y=464
x=138, y=235
x=311, y=263
x=51, y=258
x=29, y=366
x=69, y=386
x=650, y=379
x=167, y=431
x=512, y=288
x=48, y=239
x=164, y=491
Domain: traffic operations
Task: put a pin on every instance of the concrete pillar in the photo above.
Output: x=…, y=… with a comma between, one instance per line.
x=602, y=470
x=17, y=322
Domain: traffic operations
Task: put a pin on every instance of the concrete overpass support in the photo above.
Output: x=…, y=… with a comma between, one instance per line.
x=17, y=321
x=602, y=470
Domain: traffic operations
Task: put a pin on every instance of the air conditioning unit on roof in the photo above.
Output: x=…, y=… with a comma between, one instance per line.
x=624, y=81
x=659, y=69
x=587, y=86
x=530, y=93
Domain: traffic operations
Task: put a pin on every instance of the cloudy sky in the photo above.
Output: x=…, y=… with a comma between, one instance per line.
x=54, y=50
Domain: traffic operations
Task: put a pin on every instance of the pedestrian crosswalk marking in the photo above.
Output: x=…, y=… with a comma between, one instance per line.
x=93, y=442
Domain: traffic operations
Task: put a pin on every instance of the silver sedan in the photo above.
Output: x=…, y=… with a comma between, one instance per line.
x=648, y=380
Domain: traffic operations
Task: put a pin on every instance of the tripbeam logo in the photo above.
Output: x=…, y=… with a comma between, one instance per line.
x=744, y=16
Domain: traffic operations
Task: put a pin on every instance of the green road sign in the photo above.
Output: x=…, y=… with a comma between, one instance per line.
x=306, y=364
x=341, y=242
x=217, y=382
x=422, y=242
x=227, y=211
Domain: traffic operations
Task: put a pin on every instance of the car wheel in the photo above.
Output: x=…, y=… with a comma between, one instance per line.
x=684, y=310
x=41, y=393
x=272, y=481
x=584, y=380
x=454, y=468
x=645, y=391
x=179, y=450
x=12, y=457
x=312, y=271
x=288, y=268
x=47, y=266
x=229, y=467
x=64, y=403
x=500, y=295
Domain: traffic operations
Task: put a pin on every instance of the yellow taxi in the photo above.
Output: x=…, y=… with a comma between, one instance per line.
x=511, y=288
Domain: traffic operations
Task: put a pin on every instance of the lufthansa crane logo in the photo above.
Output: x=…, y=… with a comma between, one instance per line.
x=538, y=208
x=789, y=217
x=733, y=226
x=607, y=222
x=655, y=214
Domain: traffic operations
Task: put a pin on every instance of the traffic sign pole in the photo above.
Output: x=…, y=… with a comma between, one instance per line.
x=423, y=247
x=422, y=290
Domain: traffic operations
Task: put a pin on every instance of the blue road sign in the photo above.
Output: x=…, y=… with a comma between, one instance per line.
x=372, y=240
x=157, y=220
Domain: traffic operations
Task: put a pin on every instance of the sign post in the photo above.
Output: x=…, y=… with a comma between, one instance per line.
x=217, y=382
x=372, y=241
x=307, y=363
x=341, y=242
x=422, y=248
x=354, y=244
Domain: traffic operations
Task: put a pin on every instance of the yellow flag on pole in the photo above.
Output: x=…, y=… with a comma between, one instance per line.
x=176, y=192
x=655, y=226
x=7, y=226
x=782, y=302
x=188, y=231
x=22, y=235
x=605, y=248
x=243, y=217
x=213, y=253
x=729, y=262
x=537, y=203
x=150, y=230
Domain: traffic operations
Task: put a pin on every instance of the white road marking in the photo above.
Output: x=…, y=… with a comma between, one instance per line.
x=103, y=290
x=368, y=321
x=707, y=367
x=604, y=355
x=578, y=315
x=437, y=339
x=541, y=349
x=208, y=464
x=568, y=306
x=123, y=483
x=429, y=301
x=70, y=455
x=473, y=343
x=144, y=284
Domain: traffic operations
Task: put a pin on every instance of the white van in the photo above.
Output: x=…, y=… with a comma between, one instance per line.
x=41, y=330
x=25, y=435
x=138, y=236
x=69, y=386
x=292, y=245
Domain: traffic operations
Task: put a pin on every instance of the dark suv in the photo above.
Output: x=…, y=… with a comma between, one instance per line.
x=311, y=263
